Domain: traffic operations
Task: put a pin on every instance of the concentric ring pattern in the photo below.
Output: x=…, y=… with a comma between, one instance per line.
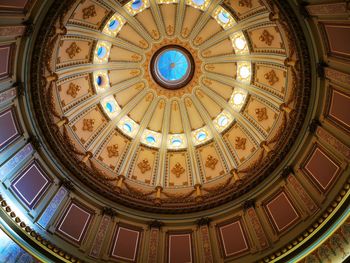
x=177, y=147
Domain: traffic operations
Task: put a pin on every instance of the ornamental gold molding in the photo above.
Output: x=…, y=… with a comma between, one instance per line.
x=88, y=125
x=113, y=151
x=261, y=114
x=211, y=162
x=240, y=143
x=73, y=90
x=178, y=170
x=266, y=37
x=271, y=77
x=144, y=166
x=73, y=50
x=89, y=12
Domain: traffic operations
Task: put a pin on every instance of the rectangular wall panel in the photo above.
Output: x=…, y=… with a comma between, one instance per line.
x=281, y=212
x=13, y=5
x=339, y=107
x=232, y=238
x=126, y=243
x=74, y=223
x=338, y=39
x=10, y=130
x=180, y=248
x=6, y=61
x=31, y=184
x=321, y=169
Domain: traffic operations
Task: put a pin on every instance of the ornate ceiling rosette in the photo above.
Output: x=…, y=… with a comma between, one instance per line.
x=168, y=105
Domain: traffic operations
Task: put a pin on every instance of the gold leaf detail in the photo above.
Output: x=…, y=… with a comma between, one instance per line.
x=271, y=77
x=72, y=50
x=178, y=170
x=261, y=114
x=113, y=151
x=211, y=162
x=266, y=37
x=88, y=125
x=240, y=143
x=73, y=90
x=144, y=166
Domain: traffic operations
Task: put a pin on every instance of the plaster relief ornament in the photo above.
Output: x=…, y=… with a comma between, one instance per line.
x=73, y=90
x=245, y=3
x=155, y=34
x=144, y=166
x=261, y=114
x=240, y=143
x=113, y=151
x=73, y=50
x=271, y=77
x=88, y=125
x=170, y=30
x=266, y=37
x=211, y=162
x=136, y=57
x=178, y=170
x=89, y=12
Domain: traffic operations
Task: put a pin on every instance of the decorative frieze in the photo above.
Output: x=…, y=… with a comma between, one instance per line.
x=100, y=236
x=257, y=227
x=303, y=195
x=51, y=209
x=334, y=142
x=205, y=238
x=20, y=156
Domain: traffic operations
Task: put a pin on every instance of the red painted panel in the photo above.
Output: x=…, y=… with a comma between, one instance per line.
x=4, y=4
x=339, y=108
x=31, y=184
x=5, y=61
x=126, y=244
x=338, y=39
x=9, y=131
x=233, y=239
x=282, y=212
x=180, y=248
x=75, y=222
x=321, y=168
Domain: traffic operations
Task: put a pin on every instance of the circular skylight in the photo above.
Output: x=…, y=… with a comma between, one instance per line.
x=172, y=67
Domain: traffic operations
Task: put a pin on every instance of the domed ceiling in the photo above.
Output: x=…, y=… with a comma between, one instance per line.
x=168, y=105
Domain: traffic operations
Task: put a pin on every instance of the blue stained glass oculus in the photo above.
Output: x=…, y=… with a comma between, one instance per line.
x=113, y=25
x=201, y=136
x=198, y=2
x=127, y=127
x=150, y=139
x=101, y=52
x=224, y=17
x=136, y=4
x=176, y=142
x=172, y=65
x=110, y=107
x=99, y=80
